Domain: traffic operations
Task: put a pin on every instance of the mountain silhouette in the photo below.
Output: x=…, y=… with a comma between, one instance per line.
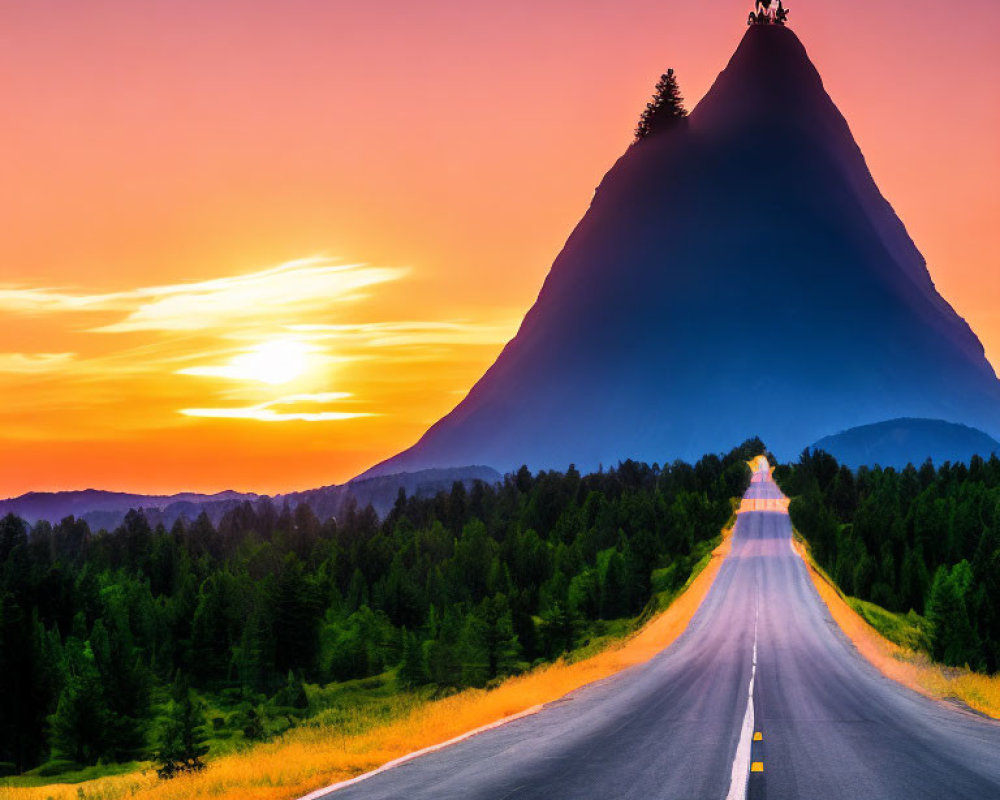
x=898, y=442
x=737, y=274
x=103, y=509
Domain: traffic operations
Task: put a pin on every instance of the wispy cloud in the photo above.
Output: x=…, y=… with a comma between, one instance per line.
x=34, y=363
x=408, y=333
x=287, y=291
x=270, y=411
x=263, y=346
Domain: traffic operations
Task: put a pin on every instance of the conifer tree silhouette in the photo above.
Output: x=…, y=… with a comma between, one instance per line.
x=666, y=109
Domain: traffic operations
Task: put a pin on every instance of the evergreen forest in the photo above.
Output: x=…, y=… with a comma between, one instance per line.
x=922, y=542
x=147, y=644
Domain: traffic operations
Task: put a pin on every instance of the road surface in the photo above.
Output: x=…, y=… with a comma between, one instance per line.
x=823, y=723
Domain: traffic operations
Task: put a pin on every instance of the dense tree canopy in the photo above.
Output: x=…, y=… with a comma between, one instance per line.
x=923, y=539
x=105, y=635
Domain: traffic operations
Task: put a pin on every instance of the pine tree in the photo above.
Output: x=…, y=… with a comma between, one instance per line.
x=411, y=669
x=182, y=741
x=253, y=658
x=293, y=693
x=614, y=587
x=255, y=730
x=124, y=677
x=441, y=654
x=953, y=639
x=402, y=601
x=297, y=612
x=666, y=109
x=357, y=590
x=80, y=725
x=491, y=648
x=31, y=663
x=558, y=630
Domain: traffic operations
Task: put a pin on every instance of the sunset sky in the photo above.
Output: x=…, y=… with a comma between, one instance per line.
x=262, y=245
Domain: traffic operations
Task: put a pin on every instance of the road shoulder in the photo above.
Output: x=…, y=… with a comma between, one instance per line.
x=980, y=693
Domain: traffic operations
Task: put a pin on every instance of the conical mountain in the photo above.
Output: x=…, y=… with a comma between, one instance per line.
x=737, y=274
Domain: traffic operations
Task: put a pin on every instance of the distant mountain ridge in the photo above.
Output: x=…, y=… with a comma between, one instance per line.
x=898, y=442
x=381, y=491
x=105, y=509
x=57, y=505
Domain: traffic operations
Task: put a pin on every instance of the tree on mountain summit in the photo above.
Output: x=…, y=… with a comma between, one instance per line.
x=666, y=109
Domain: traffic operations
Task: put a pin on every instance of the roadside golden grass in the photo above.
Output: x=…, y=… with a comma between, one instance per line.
x=909, y=667
x=308, y=758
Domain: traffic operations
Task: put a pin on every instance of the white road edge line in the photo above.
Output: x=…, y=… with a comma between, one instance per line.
x=417, y=753
x=740, y=778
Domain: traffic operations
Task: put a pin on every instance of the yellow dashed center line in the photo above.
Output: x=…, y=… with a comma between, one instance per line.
x=757, y=766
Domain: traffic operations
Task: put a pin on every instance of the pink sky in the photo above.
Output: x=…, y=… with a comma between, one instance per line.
x=453, y=145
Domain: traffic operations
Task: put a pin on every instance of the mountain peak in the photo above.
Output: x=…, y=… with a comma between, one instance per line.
x=737, y=275
x=770, y=73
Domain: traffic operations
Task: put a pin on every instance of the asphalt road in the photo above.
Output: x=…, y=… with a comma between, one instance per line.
x=680, y=726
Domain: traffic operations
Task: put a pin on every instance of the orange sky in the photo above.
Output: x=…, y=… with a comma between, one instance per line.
x=262, y=245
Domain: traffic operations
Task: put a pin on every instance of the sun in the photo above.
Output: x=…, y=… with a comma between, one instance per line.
x=274, y=362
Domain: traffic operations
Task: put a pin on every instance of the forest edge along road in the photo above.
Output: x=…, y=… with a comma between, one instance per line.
x=830, y=725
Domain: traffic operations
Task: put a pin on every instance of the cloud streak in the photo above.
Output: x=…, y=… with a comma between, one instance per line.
x=270, y=411
x=264, y=347
x=34, y=363
x=287, y=291
x=415, y=333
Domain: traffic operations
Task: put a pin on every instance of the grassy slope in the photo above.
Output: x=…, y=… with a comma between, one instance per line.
x=379, y=725
x=896, y=645
x=909, y=631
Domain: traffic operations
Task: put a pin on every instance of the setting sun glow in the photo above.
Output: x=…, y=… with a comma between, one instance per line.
x=274, y=362
x=211, y=208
